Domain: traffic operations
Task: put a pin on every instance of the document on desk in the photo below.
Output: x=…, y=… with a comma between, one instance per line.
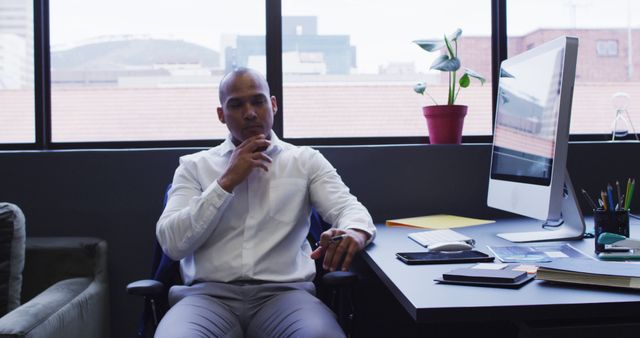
x=441, y=221
x=537, y=253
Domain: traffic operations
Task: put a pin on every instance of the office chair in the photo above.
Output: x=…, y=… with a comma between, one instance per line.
x=333, y=288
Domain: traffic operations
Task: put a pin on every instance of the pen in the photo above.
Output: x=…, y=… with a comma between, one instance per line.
x=611, y=206
x=334, y=239
x=591, y=203
x=626, y=195
x=633, y=184
x=603, y=197
x=620, y=204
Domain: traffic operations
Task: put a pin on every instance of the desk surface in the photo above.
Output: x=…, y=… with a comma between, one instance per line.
x=427, y=301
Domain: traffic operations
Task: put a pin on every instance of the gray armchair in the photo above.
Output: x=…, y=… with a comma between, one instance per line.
x=64, y=290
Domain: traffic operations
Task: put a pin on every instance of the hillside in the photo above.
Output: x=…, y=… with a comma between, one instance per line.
x=116, y=55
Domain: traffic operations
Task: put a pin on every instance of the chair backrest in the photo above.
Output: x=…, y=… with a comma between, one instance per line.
x=318, y=226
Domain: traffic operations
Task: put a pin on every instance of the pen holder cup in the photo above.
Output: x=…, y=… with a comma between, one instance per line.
x=616, y=222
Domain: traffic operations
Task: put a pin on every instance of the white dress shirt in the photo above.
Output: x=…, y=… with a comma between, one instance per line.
x=257, y=232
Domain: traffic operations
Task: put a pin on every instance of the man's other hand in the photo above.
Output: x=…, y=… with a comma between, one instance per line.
x=247, y=156
x=339, y=251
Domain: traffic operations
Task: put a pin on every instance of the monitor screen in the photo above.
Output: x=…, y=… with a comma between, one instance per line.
x=531, y=138
x=527, y=111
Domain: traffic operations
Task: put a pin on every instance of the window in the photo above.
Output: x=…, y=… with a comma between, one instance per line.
x=607, y=47
x=350, y=72
x=606, y=82
x=146, y=70
x=124, y=72
x=17, y=100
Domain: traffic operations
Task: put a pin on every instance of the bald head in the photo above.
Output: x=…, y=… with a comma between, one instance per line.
x=229, y=80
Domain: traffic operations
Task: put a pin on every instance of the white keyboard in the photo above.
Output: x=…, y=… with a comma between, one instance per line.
x=426, y=238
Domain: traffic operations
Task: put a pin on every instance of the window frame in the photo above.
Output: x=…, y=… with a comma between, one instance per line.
x=273, y=39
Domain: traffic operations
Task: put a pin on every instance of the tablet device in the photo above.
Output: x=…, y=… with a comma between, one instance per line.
x=443, y=257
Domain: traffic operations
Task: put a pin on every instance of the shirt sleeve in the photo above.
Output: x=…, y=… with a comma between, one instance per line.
x=192, y=212
x=332, y=199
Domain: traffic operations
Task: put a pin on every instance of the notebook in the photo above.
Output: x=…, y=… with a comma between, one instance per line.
x=501, y=276
x=426, y=238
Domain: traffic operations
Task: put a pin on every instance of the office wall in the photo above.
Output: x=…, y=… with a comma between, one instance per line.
x=117, y=195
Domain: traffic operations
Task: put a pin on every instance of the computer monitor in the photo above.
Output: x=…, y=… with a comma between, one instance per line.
x=528, y=173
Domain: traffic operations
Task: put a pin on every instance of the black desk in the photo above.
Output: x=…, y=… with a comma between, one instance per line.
x=429, y=302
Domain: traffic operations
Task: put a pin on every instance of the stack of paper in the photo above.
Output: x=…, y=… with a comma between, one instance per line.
x=580, y=271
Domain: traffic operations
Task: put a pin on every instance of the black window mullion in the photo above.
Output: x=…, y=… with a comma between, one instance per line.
x=498, y=47
x=273, y=50
x=42, y=74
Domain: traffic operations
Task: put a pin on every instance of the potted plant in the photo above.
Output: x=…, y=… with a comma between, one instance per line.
x=445, y=121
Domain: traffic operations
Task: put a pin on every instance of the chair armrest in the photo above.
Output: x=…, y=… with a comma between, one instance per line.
x=146, y=287
x=340, y=278
x=75, y=307
x=340, y=284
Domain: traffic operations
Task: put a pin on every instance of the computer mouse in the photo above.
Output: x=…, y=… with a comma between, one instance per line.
x=450, y=246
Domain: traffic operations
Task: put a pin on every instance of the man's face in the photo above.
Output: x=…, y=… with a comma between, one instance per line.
x=247, y=109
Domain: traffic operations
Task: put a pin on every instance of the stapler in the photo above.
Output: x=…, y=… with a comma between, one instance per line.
x=616, y=241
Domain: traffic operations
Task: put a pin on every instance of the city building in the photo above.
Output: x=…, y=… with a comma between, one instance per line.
x=16, y=44
x=304, y=50
x=605, y=55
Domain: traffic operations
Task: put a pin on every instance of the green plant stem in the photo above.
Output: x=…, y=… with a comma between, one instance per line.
x=452, y=98
x=452, y=78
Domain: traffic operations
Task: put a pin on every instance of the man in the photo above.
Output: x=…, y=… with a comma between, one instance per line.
x=237, y=217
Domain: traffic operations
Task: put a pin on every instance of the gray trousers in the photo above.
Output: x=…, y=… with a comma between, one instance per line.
x=247, y=310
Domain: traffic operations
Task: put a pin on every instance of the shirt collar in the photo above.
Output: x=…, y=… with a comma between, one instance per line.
x=276, y=145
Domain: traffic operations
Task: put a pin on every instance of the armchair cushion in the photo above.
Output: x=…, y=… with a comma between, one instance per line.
x=12, y=241
x=43, y=315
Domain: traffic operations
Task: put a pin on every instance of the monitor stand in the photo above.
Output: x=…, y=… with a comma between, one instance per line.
x=572, y=222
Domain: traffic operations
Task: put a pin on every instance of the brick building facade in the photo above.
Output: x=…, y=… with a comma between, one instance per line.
x=603, y=54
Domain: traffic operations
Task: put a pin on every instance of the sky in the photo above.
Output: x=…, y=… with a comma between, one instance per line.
x=381, y=30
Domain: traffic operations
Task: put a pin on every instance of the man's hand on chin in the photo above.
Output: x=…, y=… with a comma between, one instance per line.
x=244, y=159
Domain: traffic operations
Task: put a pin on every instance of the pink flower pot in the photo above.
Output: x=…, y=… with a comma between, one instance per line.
x=445, y=123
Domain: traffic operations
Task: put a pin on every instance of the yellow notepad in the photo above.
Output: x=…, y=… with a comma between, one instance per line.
x=436, y=222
